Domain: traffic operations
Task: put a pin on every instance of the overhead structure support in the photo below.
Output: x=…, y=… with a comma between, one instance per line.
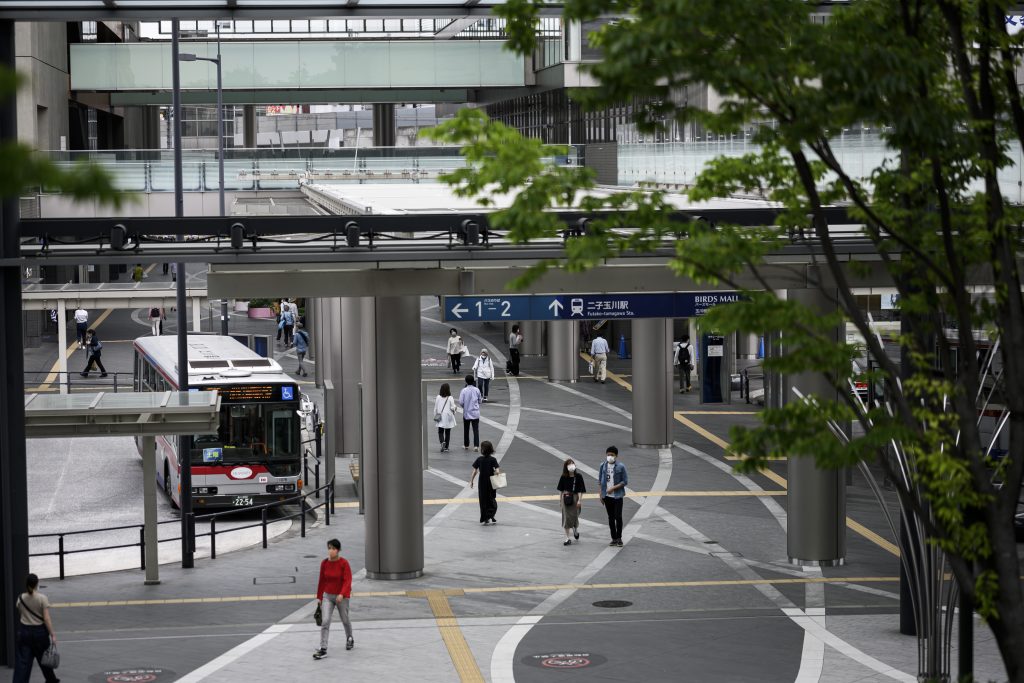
x=816, y=533
x=149, y=510
x=391, y=472
x=563, y=351
x=351, y=362
x=652, y=382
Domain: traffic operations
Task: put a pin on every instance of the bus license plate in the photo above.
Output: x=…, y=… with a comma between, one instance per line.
x=243, y=501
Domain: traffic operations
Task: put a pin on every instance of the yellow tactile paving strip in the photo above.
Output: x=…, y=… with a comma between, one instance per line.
x=458, y=649
x=455, y=592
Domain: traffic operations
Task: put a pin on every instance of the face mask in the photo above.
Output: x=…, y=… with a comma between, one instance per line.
x=610, y=458
x=571, y=468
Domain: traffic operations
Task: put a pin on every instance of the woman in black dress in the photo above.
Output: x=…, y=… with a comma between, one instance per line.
x=485, y=466
x=571, y=489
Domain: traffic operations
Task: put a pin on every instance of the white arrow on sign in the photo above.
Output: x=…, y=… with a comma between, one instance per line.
x=556, y=307
x=458, y=310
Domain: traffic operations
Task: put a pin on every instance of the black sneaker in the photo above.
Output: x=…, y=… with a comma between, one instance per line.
x=619, y=543
x=350, y=643
x=613, y=544
x=320, y=654
x=493, y=520
x=576, y=533
x=567, y=542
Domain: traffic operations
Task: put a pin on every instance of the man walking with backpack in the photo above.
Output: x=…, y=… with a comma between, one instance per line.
x=301, y=347
x=685, y=362
x=156, y=317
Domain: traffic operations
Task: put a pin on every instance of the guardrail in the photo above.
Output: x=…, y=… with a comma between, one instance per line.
x=304, y=508
x=47, y=380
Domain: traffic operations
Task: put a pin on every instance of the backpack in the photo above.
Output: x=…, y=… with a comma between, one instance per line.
x=287, y=317
x=684, y=355
x=154, y=313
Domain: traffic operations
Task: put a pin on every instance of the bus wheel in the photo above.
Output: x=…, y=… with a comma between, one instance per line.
x=167, y=485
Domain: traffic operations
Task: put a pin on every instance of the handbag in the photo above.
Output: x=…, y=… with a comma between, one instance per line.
x=499, y=480
x=318, y=615
x=590, y=368
x=569, y=497
x=50, y=658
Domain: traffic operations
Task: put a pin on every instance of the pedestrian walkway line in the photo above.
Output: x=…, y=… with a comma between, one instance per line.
x=588, y=496
x=680, y=416
x=457, y=592
x=451, y=633
x=55, y=368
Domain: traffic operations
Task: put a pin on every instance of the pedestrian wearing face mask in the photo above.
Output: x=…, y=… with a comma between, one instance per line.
x=571, y=489
x=613, y=481
x=483, y=370
x=454, y=349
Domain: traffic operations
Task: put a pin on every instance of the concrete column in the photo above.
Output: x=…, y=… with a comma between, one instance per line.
x=62, y=345
x=350, y=360
x=384, y=129
x=249, y=126
x=149, y=510
x=311, y=322
x=816, y=533
x=533, y=338
x=563, y=351
x=652, y=382
x=392, y=414
x=331, y=358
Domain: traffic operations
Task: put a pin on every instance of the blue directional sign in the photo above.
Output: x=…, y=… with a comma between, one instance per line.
x=582, y=306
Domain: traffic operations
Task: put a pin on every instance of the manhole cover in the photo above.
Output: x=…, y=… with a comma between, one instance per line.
x=140, y=674
x=612, y=603
x=569, y=661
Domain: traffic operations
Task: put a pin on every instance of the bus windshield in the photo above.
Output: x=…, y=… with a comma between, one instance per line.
x=251, y=433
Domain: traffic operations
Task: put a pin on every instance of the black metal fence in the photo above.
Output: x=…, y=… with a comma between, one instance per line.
x=45, y=380
x=302, y=499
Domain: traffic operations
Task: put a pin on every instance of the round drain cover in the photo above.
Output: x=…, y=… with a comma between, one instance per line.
x=612, y=603
x=140, y=674
x=566, y=661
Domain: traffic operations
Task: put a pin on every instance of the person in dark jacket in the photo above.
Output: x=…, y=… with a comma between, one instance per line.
x=94, y=349
x=486, y=465
x=571, y=489
x=334, y=586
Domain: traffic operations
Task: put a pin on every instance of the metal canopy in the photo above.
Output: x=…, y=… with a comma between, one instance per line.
x=121, y=414
x=75, y=10
x=39, y=297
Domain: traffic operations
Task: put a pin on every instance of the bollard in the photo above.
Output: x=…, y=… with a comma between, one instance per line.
x=213, y=538
x=142, y=548
x=302, y=516
x=328, y=502
x=60, y=554
x=263, y=519
x=623, y=351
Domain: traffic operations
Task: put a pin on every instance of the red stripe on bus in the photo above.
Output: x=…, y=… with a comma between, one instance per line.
x=226, y=470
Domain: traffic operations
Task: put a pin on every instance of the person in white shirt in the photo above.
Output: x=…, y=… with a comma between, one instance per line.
x=156, y=316
x=444, y=416
x=599, y=351
x=455, y=346
x=81, y=325
x=483, y=370
x=515, y=340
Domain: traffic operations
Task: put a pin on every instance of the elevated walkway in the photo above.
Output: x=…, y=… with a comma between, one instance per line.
x=292, y=72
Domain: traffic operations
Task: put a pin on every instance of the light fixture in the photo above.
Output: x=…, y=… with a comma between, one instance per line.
x=352, y=234
x=118, y=236
x=237, y=235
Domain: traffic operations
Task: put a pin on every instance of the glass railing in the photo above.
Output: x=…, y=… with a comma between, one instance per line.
x=273, y=169
x=679, y=163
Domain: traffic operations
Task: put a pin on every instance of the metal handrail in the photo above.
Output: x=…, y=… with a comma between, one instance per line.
x=64, y=378
x=300, y=498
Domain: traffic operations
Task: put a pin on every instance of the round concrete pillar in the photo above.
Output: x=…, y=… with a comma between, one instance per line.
x=347, y=347
x=392, y=426
x=563, y=354
x=652, y=382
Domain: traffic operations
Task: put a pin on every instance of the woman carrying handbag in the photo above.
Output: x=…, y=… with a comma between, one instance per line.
x=444, y=416
x=486, y=465
x=335, y=588
x=36, y=639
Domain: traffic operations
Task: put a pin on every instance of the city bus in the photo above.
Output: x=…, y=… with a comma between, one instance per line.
x=255, y=456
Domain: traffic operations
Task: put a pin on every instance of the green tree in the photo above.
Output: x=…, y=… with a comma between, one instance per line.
x=940, y=78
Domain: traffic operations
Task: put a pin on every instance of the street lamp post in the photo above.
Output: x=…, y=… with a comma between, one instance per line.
x=189, y=57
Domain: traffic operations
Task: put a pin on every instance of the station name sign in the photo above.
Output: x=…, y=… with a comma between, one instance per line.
x=583, y=306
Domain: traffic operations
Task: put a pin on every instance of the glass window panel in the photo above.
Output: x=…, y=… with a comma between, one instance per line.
x=374, y=25
x=282, y=26
x=262, y=26
x=243, y=26
x=165, y=27
x=336, y=25
x=393, y=25
x=357, y=25
x=300, y=26
x=188, y=26
x=207, y=26
x=318, y=26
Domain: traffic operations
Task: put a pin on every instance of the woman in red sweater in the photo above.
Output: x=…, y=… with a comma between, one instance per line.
x=335, y=585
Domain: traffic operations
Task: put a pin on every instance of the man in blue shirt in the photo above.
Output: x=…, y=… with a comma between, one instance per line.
x=599, y=351
x=613, y=481
x=469, y=400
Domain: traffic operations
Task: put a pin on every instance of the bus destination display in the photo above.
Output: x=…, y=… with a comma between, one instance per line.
x=250, y=393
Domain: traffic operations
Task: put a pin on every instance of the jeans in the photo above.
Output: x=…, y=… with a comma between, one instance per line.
x=327, y=607
x=484, y=384
x=33, y=641
x=444, y=435
x=301, y=356
x=80, y=329
x=514, y=355
x=288, y=329
x=613, y=506
x=466, y=422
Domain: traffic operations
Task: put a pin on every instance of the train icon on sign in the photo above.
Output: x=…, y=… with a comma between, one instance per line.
x=575, y=307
